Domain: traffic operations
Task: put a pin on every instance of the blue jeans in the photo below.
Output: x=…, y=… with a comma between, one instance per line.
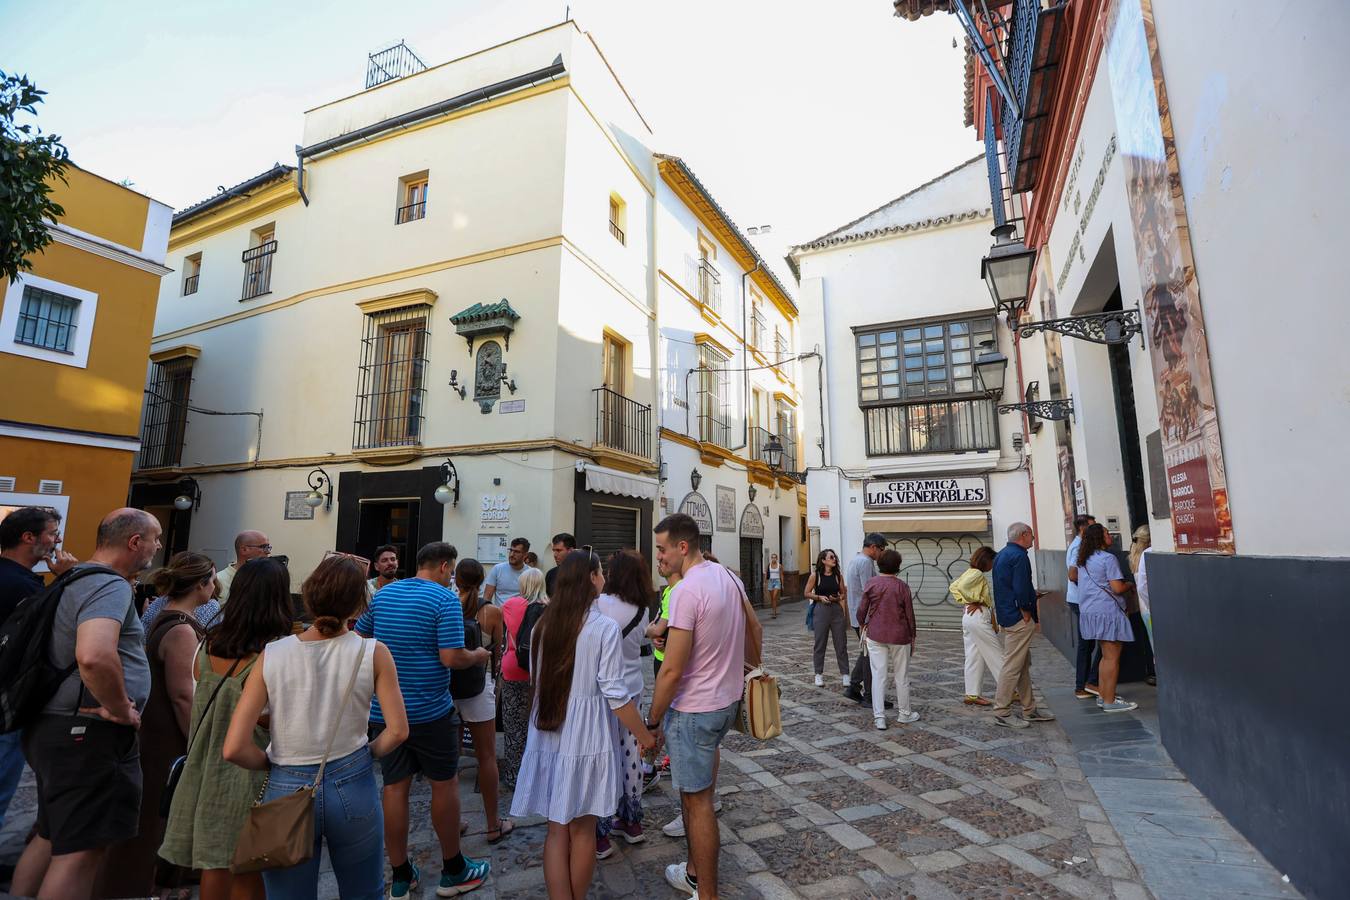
x=348, y=816
x=11, y=769
x=692, y=739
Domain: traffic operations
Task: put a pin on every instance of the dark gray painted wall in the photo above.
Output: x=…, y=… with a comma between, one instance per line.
x=1252, y=700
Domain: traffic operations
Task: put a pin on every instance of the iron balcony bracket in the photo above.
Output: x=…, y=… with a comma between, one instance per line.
x=1116, y=327
x=1054, y=410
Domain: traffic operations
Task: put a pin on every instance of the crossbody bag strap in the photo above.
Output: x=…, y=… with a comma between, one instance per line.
x=207, y=708
x=337, y=722
x=627, y=629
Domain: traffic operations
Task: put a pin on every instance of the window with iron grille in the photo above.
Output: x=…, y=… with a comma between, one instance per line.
x=713, y=397
x=47, y=319
x=393, y=368
x=757, y=327
x=414, y=200
x=916, y=384
x=780, y=347
x=192, y=273
x=164, y=423
x=258, y=268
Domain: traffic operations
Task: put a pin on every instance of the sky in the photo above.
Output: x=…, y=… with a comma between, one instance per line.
x=799, y=114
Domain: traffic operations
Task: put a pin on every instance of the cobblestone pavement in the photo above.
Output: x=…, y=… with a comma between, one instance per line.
x=949, y=807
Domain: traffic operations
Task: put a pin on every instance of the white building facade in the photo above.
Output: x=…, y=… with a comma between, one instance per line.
x=913, y=449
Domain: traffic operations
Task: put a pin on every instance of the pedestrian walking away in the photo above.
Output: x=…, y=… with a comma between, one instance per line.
x=305, y=686
x=421, y=622
x=28, y=535
x=979, y=628
x=713, y=635
x=174, y=634
x=212, y=799
x=515, y=683
x=861, y=569
x=570, y=773
x=825, y=590
x=1015, y=600
x=83, y=749
x=1101, y=590
x=477, y=700
x=886, y=617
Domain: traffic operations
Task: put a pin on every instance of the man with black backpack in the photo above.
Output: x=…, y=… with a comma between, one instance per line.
x=82, y=743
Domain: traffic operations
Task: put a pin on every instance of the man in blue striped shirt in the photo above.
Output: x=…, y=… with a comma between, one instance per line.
x=420, y=620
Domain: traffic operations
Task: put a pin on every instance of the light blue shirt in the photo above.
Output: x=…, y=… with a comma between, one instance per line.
x=1071, y=560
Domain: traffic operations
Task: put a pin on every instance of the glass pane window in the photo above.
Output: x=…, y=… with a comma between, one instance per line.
x=47, y=320
x=937, y=359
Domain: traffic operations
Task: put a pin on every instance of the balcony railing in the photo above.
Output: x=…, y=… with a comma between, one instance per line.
x=759, y=439
x=709, y=286
x=258, y=270
x=190, y=284
x=411, y=212
x=780, y=349
x=757, y=329
x=943, y=426
x=622, y=423
x=615, y=230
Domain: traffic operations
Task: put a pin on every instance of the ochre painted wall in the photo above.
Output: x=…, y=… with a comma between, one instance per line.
x=95, y=479
x=106, y=396
x=99, y=207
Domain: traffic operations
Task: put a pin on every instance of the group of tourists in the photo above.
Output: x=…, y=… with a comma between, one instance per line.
x=172, y=718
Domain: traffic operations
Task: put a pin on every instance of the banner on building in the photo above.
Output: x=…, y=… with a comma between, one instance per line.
x=926, y=491
x=1178, y=348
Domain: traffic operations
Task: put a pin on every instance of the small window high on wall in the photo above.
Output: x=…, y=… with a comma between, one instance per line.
x=412, y=198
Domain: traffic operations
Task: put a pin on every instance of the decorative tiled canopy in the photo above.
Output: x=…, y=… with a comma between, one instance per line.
x=486, y=318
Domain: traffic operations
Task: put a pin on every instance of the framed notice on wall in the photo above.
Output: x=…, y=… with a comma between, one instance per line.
x=726, y=508
x=296, y=507
x=492, y=548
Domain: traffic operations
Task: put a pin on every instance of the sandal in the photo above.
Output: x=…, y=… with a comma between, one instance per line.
x=974, y=700
x=502, y=831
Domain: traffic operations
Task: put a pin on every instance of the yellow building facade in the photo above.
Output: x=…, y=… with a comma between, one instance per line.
x=74, y=338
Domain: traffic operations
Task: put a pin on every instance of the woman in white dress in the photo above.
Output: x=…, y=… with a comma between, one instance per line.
x=570, y=773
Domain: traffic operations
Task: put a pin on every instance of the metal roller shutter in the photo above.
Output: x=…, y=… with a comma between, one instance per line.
x=931, y=563
x=613, y=528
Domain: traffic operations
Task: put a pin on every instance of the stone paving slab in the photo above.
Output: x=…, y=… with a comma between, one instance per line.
x=947, y=808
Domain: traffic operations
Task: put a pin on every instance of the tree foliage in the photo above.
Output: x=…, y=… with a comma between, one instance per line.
x=29, y=163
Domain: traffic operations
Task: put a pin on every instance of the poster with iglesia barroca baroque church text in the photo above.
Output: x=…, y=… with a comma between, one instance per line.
x=1178, y=347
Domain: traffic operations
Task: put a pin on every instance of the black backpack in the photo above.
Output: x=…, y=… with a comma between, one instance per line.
x=466, y=684
x=28, y=677
x=533, y=612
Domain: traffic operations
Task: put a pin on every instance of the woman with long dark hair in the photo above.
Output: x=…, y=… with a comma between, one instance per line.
x=213, y=797
x=185, y=583
x=1102, y=611
x=626, y=598
x=569, y=772
x=825, y=588
x=478, y=711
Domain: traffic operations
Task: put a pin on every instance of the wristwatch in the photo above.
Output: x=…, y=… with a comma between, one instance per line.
x=651, y=725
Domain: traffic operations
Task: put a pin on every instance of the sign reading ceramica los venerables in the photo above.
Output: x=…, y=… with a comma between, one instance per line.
x=932, y=490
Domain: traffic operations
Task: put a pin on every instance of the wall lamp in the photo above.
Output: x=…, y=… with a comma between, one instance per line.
x=1007, y=271
x=695, y=477
x=752, y=493
x=509, y=382
x=448, y=490
x=455, y=385
x=773, y=456
x=189, y=495
x=320, y=490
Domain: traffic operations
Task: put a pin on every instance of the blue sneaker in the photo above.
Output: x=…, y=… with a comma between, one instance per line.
x=474, y=874
x=401, y=889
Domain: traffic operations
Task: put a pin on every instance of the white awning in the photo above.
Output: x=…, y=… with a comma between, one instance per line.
x=623, y=484
x=974, y=522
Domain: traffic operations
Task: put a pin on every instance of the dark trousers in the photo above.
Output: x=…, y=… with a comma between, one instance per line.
x=860, y=679
x=1085, y=659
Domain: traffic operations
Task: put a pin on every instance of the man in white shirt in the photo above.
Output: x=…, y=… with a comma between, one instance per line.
x=247, y=545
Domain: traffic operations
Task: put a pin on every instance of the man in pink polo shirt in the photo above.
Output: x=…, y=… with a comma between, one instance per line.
x=713, y=633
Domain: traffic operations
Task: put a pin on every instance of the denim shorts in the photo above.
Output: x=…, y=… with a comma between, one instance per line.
x=692, y=738
x=774, y=584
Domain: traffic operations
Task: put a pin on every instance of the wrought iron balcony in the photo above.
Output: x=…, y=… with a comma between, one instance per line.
x=622, y=423
x=713, y=428
x=940, y=426
x=190, y=284
x=615, y=230
x=709, y=286
x=411, y=212
x=258, y=270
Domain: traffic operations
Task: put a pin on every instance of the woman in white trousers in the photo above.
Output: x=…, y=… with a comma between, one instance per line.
x=984, y=645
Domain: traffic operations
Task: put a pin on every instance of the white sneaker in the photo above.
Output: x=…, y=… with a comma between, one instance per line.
x=675, y=827
x=677, y=876
x=880, y=722
x=905, y=718
x=820, y=681
x=844, y=680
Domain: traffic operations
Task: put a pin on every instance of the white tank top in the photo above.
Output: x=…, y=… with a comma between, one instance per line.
x=306, y=685
x=776, y=572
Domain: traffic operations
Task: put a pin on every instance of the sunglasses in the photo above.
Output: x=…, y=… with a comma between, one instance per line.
x=359, y=560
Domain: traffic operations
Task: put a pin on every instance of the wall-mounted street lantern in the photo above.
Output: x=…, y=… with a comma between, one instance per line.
x=752, y=493
x=773, y=456
x=455, y=385
x=320, y=490
x=1007, y=271
x=695, y=477
x=991, y=370
x=1115, y=327
x=509, y=382
x=189, y=495
x=1054, y=410
x=448, y=490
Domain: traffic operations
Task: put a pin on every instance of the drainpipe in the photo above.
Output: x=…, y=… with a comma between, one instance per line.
x=745, y=355
x=300, y=173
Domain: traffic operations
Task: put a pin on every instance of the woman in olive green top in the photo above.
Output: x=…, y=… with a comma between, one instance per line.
x=213, y=796
x=979, y=631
